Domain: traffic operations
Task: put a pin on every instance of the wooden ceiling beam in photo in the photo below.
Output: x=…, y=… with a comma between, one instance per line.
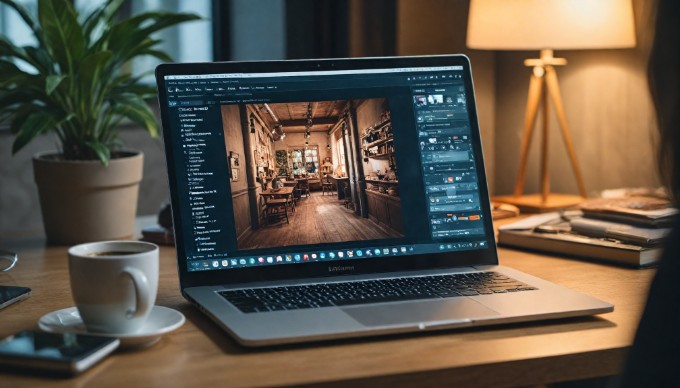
x=292, y=116
x=315, y=105
x=315, y=128
x=329, y=108
x=274, y=118
x=317, y=121
x=274, y=123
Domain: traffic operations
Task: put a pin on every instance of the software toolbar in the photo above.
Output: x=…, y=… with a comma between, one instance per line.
x=447, y=161
x=201, y=183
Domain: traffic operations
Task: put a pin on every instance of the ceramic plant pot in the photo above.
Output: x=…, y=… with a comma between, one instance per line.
x=83, y=201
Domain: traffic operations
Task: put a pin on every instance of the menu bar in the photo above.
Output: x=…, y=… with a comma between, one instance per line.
x=319, y=73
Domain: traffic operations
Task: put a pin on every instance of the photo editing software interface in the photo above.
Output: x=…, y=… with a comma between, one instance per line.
x=392, y=150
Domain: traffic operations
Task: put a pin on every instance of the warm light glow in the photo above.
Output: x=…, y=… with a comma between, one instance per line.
x=550, y=24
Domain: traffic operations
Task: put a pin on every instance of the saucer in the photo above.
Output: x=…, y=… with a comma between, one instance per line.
x=161, y=320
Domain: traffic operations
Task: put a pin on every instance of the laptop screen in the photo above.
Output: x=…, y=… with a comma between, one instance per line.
x=288, y=168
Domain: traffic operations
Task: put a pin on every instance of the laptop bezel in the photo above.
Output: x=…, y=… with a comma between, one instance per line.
x=442, y=260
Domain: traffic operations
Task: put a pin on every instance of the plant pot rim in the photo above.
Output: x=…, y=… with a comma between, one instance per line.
x=56, y=156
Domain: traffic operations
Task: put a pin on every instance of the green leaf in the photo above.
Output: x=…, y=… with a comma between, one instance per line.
x=40, y=59
x=79, y=86
x=125, y=37
x=139, y=47
x=52, y=82
x=102, y=151
x=20, y=115
x=90, y=78
x=162, y=20
x=10, y=72
x=8, y=49
x=143, y=91
x=101, y=16
x=137, y=110
x=161, y=55
x=37, y=123
x=63, y=35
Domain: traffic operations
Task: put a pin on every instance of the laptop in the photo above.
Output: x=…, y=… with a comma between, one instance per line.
x=336, y=198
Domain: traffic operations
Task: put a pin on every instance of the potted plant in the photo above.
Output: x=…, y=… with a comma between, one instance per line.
x=75, y=82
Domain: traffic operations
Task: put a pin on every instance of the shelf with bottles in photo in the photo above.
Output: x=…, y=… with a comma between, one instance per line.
x=386, y=182
x=389, y=184
x=378, y=133
x=382, y=150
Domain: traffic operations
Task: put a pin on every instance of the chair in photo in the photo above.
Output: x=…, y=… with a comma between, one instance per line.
x=303, y=188
x=348, y=196
x=291, y=201
x=314, y=184
x=293, y=184
x=327, y=186
x=276, y=208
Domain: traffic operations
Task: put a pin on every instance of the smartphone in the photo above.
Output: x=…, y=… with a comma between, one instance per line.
x=12, y=294
x=65, y=354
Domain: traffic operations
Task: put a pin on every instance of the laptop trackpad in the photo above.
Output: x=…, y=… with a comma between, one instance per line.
x=417, y=312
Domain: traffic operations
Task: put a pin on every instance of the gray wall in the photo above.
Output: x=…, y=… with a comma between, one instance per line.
x=19, y=207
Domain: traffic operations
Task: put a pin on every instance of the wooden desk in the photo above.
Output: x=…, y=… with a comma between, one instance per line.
x=200, y=354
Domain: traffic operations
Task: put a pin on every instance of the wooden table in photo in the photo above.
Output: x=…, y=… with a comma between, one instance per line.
x=284, y=192
x=201, y=354
x=292, y=184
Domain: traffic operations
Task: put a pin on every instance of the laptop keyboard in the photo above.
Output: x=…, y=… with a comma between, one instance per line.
x=253, y=300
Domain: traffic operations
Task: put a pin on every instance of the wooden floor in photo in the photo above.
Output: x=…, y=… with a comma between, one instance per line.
x=317, y=219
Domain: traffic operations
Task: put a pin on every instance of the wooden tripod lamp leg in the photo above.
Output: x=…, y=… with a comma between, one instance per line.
x=533, y=100
x=545, y=174
x=554, y=90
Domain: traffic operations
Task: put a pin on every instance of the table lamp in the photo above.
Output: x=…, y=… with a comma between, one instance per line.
x=547, y=25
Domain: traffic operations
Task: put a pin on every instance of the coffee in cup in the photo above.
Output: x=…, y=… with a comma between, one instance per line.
x=110, y=253
x=114, y=284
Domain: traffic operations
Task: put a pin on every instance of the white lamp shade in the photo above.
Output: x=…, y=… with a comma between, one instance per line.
x=550, y=24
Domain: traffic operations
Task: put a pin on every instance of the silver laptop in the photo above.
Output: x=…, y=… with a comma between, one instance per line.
x=326, y=199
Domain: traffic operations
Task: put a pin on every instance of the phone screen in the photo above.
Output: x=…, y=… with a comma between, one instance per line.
x=66, y=352
x=11, y=294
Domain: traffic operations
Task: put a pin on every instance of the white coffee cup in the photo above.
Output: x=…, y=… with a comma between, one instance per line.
x=114, y=284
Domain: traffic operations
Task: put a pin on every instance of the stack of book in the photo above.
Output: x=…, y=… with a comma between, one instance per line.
x=628, y=231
